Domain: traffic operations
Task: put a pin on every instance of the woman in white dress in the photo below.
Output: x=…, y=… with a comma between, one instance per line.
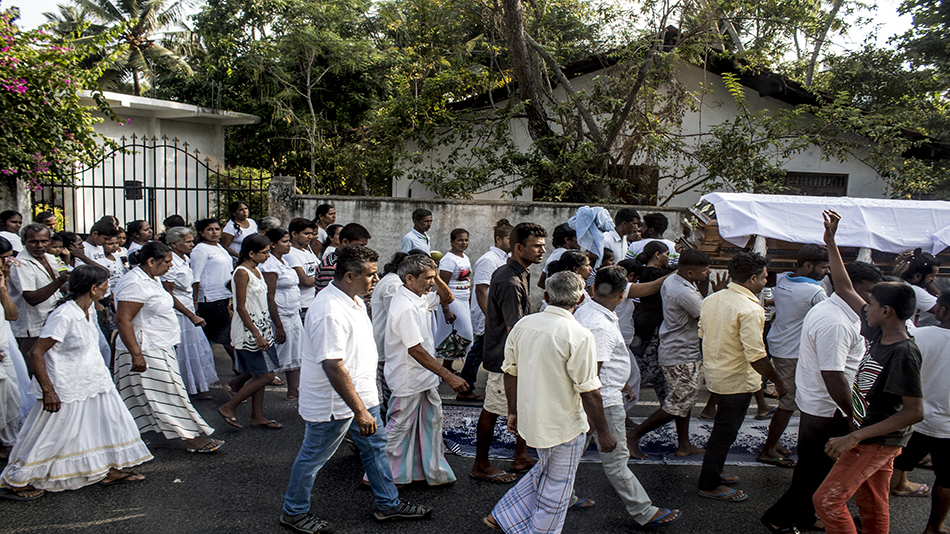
x=195, y=359
x=252, y=336
x=211, y=265
x=146, y=367
x=10, y=387
x=455, y=269
x=80, y=432
x=238, y=228
x=283, y=303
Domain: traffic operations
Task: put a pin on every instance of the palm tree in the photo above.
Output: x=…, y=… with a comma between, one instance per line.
x=139, y=51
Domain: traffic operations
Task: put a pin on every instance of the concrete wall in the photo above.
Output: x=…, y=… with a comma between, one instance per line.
x=388, y=219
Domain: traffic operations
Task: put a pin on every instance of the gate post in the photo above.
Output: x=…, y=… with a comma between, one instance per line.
x=280, y=193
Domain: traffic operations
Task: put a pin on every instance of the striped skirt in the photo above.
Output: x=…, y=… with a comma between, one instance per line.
x=538, y=503
x=414, y=440
x=157, y=398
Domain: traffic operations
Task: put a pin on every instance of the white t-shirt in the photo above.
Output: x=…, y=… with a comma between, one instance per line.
x=74, y=364
x=637, y=247
x=617, y=243
x=408, y=325
x=307, y=260
x=180, y=274
x=624, y=312
x=211, y=266
x=382, y=297
x=831, y=341
x=337, y=328
x=133, y=246
x=155, y=325
x=484, y=268
x=925, y=302
x=287, y=294
x=14, y=240
x=554, y=256
x=239, y=233
x=610, y=348
x=794, y=297
x=461, y=269
x=934, y=345
x=116, y=268
x=94, y=253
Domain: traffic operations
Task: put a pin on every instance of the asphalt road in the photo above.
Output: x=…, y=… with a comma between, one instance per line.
x=241, y=487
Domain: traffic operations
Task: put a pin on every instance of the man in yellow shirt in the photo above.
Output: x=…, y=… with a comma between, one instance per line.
x=553, y=390
x=734, y=362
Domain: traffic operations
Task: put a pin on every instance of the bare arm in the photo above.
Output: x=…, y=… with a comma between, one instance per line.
x=445, y=294
x=343, y=385
x=38, y=296
x=38, y=366
x=481, y=297
x=305, y=281
x=764, y=367
x=843, y=286
x=511, y=395
x=125, y=312
x=911, y=412
x=240, y=307
x=594, y=407
x=180, y=308
x=10, y=313
x=840, y=390
x=226, y=240
x=646, y=289
x=542, y=279
x=426, y=360
x=279, y=334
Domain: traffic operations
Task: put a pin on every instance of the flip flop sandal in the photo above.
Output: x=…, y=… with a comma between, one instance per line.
x=777, y=462
x=579, y=504
x=521, y=471
x=231, y=393
x=496, y=478
x=490, y=521
x=922, y=491
x=658, y=522
x=725, y=496
x=125, y=478
x=232, y=421
x=209, y=446
x=13, y=495
x=726, y=481
x=702, y=417
x=277, y=382
x=270, y=425
x=766, y=416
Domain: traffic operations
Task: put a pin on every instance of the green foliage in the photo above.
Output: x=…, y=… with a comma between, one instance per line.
x=44, y=128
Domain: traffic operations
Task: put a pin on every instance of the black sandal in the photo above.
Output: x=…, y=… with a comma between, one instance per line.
x=306, y=523
x=780, y=530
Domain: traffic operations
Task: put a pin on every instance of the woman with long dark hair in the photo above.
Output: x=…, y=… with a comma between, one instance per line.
x=80, y=432
x=211, y=265
x=239, y=226
x=146, y=367
x=252, y=336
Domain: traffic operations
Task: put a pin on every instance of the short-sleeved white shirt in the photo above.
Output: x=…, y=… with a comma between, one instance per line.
x=409, y=324
x=28, y=274
x=382, y=297
x=211, y=266
x=934, y=345
x=609, y=347
x=484, y=268
x=306, y=260
x=74, y=364
x=831, y=341
x=925, y=302
x=794, y=297
x=155, y=325
x=239, y=233
x=337, y=328
x=94, y=253
x=415, y=240
x=461, y=269
x=624, y=312
x=180, y=274
x=554, y=256
x=617, y=243
x=637, y=247
x=14, y=240
x=116, y=269
x=287, y=294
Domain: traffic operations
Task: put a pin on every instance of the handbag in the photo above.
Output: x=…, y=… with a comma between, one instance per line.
x=452, y=347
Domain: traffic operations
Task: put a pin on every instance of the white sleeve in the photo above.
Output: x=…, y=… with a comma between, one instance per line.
x=198, y=260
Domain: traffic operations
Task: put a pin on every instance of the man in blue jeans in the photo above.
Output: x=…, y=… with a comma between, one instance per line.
x=338, y=395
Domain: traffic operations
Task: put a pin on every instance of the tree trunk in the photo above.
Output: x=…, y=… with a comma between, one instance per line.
x=136, y=87
x=810, y=76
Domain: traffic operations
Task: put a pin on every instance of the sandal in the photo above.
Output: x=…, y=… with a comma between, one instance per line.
x=490, y=521
x=15, y=494
x=277, y=382
x=126, y=477
x=769, y=415
x=497, y=478
x=580, y=503
x=658, y=522
x=305, y=523
x=269, y=425
x=233, y=421
x=777, y=462
x=922, y=491
x=727, y=496
x=210, y=446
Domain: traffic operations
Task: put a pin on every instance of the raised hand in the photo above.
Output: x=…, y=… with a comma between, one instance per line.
x=831, y=219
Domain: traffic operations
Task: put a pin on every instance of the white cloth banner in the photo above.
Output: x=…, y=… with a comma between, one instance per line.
x=885, y=225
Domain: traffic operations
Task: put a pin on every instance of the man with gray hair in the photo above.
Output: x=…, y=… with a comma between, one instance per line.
x=552, y=389
x=34, y=285
x=413, y=374
x=613, y=361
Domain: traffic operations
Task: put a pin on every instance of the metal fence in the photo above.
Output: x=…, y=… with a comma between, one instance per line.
x=152, y=178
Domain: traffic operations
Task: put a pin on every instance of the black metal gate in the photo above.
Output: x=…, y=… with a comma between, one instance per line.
x=151, y=178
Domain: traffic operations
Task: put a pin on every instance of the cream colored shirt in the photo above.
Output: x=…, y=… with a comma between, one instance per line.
x=555, y=361
x=730, y=325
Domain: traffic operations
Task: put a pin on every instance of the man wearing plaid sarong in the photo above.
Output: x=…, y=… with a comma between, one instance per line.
x=550, y=382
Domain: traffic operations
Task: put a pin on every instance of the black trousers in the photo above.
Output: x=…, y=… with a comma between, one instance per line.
x=730, y=412
x=919, y=446
x=795, y=507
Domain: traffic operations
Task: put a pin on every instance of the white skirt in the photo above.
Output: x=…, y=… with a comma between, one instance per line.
x=157, y=398
x=288, y=352
x=75, y=446
x=463, y=319
x=9, y=402
x=195, y=359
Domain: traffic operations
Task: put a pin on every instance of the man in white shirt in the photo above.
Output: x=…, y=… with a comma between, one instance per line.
x=338, y=395
x=626, y=222
x=552, y=389
x=932, y=435
x=794, y=295
x=413, y=375
x=417, y=238
x=482, y=271
x=613, y=364
x=830, y=351
x=34, y=285
x=654, y=225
